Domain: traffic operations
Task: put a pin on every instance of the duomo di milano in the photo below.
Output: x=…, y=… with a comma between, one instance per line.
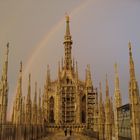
x=70, y=102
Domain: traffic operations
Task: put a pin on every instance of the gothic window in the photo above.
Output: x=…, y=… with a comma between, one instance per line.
x=51, y=114
x=83, y=117
x=67, y=81
x=83, y=109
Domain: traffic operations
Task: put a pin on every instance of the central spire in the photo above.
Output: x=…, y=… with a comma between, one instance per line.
x=67, y=44
x=67, y=26
x=67, y=37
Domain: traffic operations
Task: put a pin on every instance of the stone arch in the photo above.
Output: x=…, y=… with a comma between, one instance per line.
x=51, y=109
x=83, y=109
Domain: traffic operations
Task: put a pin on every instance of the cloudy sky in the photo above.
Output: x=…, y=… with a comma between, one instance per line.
x=101, y=30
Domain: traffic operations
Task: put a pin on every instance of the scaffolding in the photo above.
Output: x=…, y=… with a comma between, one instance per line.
x=68, y=104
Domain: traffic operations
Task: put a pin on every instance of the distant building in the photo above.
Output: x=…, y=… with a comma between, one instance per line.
x=124, y=122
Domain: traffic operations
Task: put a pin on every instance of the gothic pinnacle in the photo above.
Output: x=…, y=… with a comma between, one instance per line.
x=48, y=75
x=88, y=76
x=58, y=66
x=100, y=87
x=107, y=87
x=29, y=88
x=130, y=48
x=116, y=77
x=20, y=73
x=131, y=63
x=39, y=103
x=73, y=65
x=7, y=51
x=21, y=66
x=62, y=63
x=5, y=66
x=35, y=96
x=117, y=93
x=59, y=71
x=76, y=70
x=19, y=88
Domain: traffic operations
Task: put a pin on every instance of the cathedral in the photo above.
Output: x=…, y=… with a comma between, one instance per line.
x=68, y=100
x=71, y=102
x=65, y=101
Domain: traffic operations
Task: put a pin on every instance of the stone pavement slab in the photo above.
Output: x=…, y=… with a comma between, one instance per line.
x=60, y=136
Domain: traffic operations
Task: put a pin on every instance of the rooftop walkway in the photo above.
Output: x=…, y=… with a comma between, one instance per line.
x=61, y=136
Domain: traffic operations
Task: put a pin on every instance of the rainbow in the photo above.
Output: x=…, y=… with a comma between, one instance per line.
x=43, y=43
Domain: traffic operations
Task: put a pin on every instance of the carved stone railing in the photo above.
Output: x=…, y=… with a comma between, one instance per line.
x=22, y=132
x=77, y=128
x=35, y=132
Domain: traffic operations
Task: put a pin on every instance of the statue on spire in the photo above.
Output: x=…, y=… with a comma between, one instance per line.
x=131, y=63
